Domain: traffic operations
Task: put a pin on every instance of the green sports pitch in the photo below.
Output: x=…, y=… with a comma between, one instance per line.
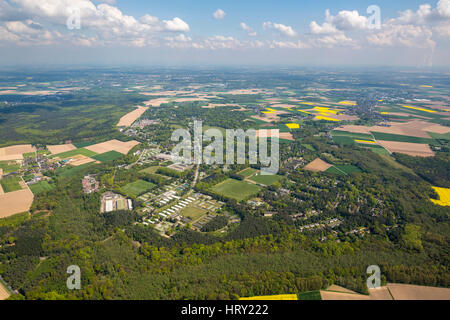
x=138, y=187
x=234, y=189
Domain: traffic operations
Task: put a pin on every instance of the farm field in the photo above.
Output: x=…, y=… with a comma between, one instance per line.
x=15, y=152
x=40, y=187
x=70, y=171
x=11, y=184
x=265, y=179
x=9, y=166
x=61, y=148
x=138, y=187
x=309, y=295
x=108, y=156
x=75, y=152
x=128, y=119
x=400, y=138
x=4, y=293
x=15, y=202
x=113, y=145
x=317, y=165
x=412, y=149
x=444, y=196
x=238, y=190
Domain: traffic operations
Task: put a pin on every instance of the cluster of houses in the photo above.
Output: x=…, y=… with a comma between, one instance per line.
x=331, y=223
x=176, y=208
x=90, y=185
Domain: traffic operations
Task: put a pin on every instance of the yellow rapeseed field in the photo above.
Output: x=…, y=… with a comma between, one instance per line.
x=444, y=196
x=420, y=109
x=276, y=297
x=365, y=141
x=293, y=125
x=348, y=103
x=326, y=118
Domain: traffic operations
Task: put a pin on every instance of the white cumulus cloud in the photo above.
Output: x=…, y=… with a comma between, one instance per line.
x=281, y=28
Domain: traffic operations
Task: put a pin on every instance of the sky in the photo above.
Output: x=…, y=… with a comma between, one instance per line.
x=199, y=32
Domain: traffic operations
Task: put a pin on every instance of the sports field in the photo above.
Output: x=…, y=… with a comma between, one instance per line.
x=108, y=156
x=266, y=180
x=138, y=187
x=41, y=187
x=238, y=190
x=193, y=212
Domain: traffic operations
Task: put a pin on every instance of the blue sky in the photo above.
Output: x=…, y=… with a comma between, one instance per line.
x=133, y=32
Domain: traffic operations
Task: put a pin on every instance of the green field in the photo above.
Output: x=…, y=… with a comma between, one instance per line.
x=68, y=171
x=83, y=144
x=344, y=140
x=193, y=212
x=354, y=135
x=11, y=184
x=138, y=187
x=29, y=155
x=151, y=170
x=309, y=295
x=68, y=154
x=9, y=166
x=343, y=169
x=41, y=187
x=440, y=136
x=400, y=138
x=266, y=180
x=375, y=148
x=108, y=156
x=238, y=190
x=308, y=146
x=248, y=172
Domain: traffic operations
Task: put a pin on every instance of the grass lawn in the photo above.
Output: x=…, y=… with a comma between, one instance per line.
x=238, y=190
x=309, y=295
x=108, y=156
x=138, y=187
x=41, y=187
x=11, y=184
x=9, y=166
x=68, y=154
x=266, y=180
x=193, y=212
x=248, y=172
